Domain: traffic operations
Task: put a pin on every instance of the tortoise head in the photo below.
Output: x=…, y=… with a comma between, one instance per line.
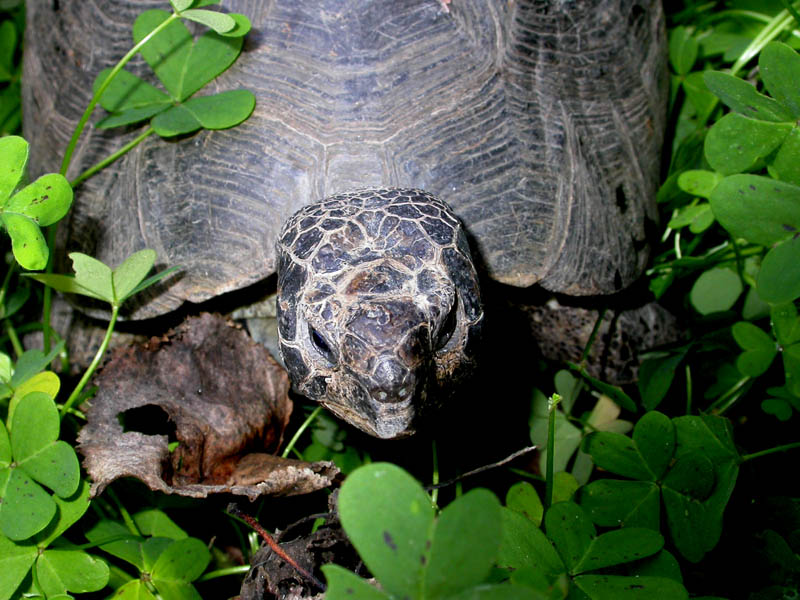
x=378, y=306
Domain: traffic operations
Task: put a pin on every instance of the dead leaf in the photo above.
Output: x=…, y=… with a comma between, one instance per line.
x=226, y=399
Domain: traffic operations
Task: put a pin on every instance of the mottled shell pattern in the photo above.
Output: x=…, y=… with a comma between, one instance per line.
x=378, y=306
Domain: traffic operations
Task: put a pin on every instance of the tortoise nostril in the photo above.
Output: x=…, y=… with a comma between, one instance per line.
x=391, y=381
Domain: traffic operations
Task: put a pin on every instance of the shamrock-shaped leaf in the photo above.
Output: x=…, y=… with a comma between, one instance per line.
x=759, y=349
x=38, y=456
x=743, y=98
x=695, y=489
x=780, y=70
x=715, y=290
x=759, y=209
x=391, y=522
x=779, y=278
x=572, y=548
x=183, y=66
x=62, y=571
x=40, y=203
x=96, y=279
x=737, y=143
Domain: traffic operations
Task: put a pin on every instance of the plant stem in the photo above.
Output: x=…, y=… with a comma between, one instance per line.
x=726, y=400
x=551, y=448
x=768, y=451
x=592, y=337
x=126, y=517
x=13, y=338
x=95, y=361
x=223, y=572
x=300, y=430
x=688, y=389
x=67, y=161
x=110, y=159
x=101, y=90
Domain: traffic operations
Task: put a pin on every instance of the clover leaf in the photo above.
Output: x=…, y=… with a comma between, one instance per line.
x=572, y=550
x=40, y=203
x=183, y=66
x=413, y=552
x=31, y=454
x=167, y=558
x=96, y=279
x=689, y=462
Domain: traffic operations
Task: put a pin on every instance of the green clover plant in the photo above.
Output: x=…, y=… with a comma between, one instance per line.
x=687, y=463
x=97, y=280
x=166, y=558
x=34, y=568
x=413, y=552
x=35, y=205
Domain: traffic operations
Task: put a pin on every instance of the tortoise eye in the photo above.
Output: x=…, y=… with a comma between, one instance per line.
x=448, y=327
x=320, y=344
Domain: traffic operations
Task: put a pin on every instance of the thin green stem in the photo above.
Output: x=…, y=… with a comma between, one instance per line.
x=110, y=159
x=792, y=11
x=726, y=400
x=95, y=362
x=65, y=163
x=126, y=516
x=6, y=281
x=592, y=336
x=13, y=338
x=778, y=24
x=240, y=570
x=769, y=451
x=300, y=430
x=47, y=302
x=688, y=370
x=551, y=449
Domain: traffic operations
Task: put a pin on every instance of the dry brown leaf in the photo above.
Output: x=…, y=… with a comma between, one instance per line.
x=227, y=400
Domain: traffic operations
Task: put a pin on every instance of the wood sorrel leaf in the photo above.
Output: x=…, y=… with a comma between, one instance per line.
x=743, y=98
x=715, y=290
x=780, y=70
x=654, y=436
x=759, y=209
x=13, y=160
x=699, y=182
x=26, y=508
x=779, y=277
x=166, y=52
x=181, y=562
x=759, y=348
x=132, y=272
x=44, y=201
x=182, y=64
x=618, y=547
x=343, y=584
x=223, y=110
x=75, y=571
x=93, y=275
x=570, y=530
x=27, y=242
x=16, y=561
x=392, y=539
x=127, y=91
x=614, y=503
x=786, y=165
x=735, y=143
x=464, y=544
x=219, y=22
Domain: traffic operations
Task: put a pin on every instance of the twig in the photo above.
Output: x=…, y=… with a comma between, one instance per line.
x=499, y=463
x=234, y=510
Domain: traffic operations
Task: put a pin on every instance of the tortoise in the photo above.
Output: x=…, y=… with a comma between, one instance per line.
x=536, y=123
